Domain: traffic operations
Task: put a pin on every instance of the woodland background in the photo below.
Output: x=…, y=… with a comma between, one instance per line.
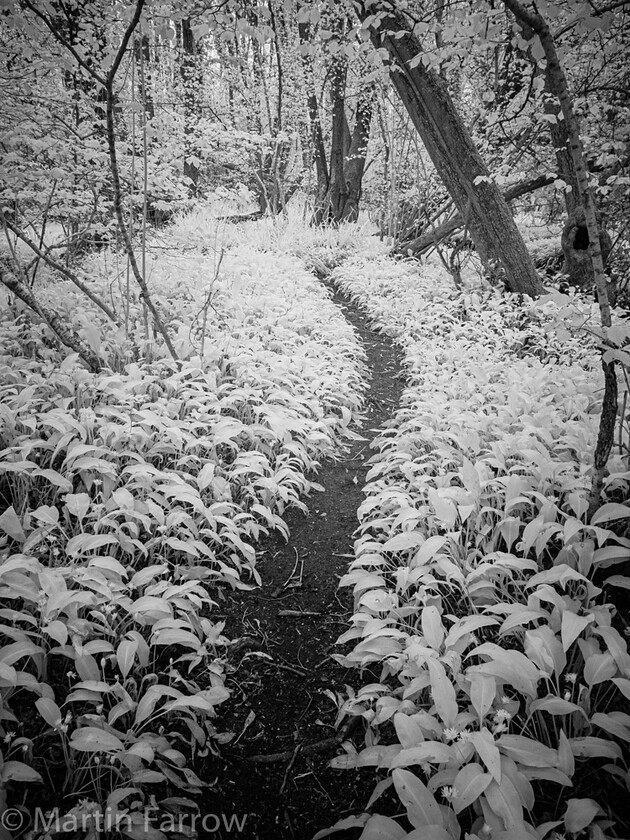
x=176, y=179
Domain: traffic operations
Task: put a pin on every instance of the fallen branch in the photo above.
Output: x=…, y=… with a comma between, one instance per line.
x=63, y=332
x=57, y=266
x=310, y=749
x=433, y=237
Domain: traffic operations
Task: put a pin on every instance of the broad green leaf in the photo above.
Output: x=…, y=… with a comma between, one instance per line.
x=598, y=668
x=445, y=509
x=442, y=692
x=422, y=809
x=429, y=832
x=483, y=689
x=572, y=626
x=579, y=814
x=566, y=760
x=527, y=751
x=488, y=751
x=402, y=542
x=591, y=747
x=382, y=828
x=469, y=784
x=623, y=685
x=358, y=821
x=432, y=752
x=50, y=711
x=554, y=706
x=432, y=627
x=47, y=514
x=11, y=525
x=83, y=543
x=612, y=725
x=125, y=655
x=17, y=771
x=91, y=739
x=506, y=803
x=408, y=731
x=609, y=512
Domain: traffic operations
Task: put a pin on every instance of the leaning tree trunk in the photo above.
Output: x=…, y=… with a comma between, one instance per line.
x=451, y=148
x=59, y=326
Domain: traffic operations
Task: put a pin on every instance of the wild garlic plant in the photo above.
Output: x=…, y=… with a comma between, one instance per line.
x=132, y=499
x=504, y=670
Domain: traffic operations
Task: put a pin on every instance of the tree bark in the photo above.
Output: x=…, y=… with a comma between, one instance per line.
x=60, y=328
x=339, y=73
x=192, y=79
x=416, y=246
x=450, y=146
x=354, y=164
x=317, y=135
x=559, y=87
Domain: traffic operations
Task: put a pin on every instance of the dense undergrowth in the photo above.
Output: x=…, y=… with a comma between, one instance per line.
x=133, y=498
x=501, y=708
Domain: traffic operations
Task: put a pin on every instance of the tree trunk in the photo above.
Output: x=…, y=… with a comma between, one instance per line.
x=354, y=165
x=334, y=196
x=575, y=247
x=317, y=136
x=192, y=79
x=454, y=155
x=559, y=87
x=142, y=56
x=415, y=247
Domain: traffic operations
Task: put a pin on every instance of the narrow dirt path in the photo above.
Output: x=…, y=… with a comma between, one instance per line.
x=275, y=769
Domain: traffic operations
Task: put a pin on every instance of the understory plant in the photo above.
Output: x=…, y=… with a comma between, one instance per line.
x=132, y=501
x=500, y=673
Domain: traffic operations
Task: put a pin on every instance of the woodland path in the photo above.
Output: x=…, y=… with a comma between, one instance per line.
x=275, y=770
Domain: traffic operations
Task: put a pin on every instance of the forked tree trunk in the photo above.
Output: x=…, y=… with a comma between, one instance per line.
x=450, y=146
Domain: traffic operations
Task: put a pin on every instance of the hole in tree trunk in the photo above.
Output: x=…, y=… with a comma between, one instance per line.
x=581, y=240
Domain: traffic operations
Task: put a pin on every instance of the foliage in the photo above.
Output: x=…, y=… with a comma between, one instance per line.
x=133, y=500
x=503, y=671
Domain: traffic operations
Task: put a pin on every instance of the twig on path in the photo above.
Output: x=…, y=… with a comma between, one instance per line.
x=301, y=672
x=289, y=766
x=290, y=582
x=298, y=613
x=309, y=749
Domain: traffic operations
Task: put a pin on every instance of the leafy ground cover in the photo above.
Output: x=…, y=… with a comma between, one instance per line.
x=501, y=704
x=132, y=502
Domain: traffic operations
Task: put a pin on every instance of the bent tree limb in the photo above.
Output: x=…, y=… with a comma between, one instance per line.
x=57, y=266
x=558, y=86
x=60, y=328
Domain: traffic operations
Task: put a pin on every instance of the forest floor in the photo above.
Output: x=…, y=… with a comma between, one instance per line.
x=275, y=771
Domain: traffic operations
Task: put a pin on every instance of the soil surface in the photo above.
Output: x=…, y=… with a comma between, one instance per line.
x=275, y=770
